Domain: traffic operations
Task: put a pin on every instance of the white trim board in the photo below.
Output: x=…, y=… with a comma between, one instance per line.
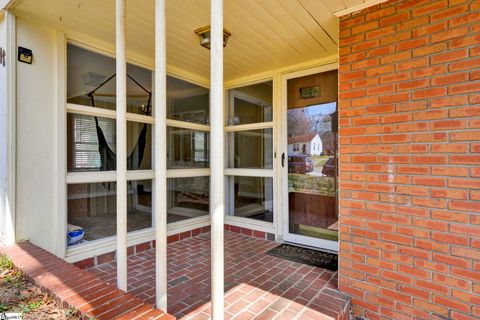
x=61, y=145
x=249, y=126
x=8, y=130
x=240, y=172
x=7, y=4
x=358, y=7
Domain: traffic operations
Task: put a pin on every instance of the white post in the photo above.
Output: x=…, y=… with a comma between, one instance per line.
x=217, y=183
x=121, y=77
x=7, y=128
x=160, y=193
x=61, y=146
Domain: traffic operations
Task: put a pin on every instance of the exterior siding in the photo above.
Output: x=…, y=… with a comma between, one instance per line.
x=409, y=92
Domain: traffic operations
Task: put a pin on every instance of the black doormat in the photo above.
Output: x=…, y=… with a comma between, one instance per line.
x=311, y=257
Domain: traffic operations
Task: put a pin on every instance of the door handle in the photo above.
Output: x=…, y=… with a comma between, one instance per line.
x=283, y=160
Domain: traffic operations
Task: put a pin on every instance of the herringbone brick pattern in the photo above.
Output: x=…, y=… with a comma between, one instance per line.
x=257, y=286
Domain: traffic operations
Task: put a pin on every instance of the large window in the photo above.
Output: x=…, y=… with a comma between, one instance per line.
x=91, y=146
x=92, y=141
x=188, y=150
x=249, y=140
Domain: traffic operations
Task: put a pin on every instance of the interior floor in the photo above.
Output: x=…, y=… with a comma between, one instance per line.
x=106, y=225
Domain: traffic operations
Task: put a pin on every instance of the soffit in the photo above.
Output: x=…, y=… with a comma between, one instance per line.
x=266, y=34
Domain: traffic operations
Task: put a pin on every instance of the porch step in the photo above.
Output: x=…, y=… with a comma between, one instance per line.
x=77, y=288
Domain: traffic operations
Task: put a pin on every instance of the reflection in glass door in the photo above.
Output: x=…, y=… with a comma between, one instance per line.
x=312, y=126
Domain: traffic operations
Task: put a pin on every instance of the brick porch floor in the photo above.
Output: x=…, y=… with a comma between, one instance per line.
x=257, y=286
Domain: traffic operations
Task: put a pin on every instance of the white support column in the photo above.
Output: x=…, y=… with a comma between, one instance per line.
x=217, y=182
x=121, y=78
x=160, y=194
x=7, y=128
x=60, y=146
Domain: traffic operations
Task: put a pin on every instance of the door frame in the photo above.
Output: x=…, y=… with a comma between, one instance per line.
x=283, y=171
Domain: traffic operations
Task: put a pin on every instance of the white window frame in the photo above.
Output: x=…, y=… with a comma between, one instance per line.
x=176, y=173
x=230, y=218
x=108, y=244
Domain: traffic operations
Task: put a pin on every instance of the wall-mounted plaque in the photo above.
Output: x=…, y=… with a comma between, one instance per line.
x=309, y=92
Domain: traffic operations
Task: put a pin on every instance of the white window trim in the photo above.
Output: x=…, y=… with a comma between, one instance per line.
x=106, y=113
x=250, y=126
x=241, y=172
x=188, y=173
x=232, y=93
x=106, y=245
x=187, y=125
x=64, y=178
x=85, y=250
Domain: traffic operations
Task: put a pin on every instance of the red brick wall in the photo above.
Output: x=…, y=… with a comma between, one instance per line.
x=409, y=82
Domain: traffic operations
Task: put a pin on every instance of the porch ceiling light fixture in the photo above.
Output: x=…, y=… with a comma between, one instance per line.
x=204, y=35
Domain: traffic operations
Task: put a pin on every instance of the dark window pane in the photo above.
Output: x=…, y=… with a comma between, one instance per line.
x=250, y=149
x=187, y=198
x=89, y=149
x=87, y=70
x=250, y=197
x=82, y=142
x=187, y=101
x=190, y=109
x=139, y=146
x=92, y=209
x=187, y=148
x=250, y=104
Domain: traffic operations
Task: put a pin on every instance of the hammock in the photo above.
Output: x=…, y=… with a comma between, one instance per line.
x=108, y=158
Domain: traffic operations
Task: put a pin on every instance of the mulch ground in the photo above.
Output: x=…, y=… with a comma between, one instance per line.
x=18, y=294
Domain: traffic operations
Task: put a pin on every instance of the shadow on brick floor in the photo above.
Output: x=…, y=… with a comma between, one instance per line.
x=257, y=286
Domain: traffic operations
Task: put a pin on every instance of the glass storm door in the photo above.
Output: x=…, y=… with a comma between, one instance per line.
x=310, y=161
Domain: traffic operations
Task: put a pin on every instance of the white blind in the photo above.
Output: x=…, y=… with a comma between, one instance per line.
x=85, y=149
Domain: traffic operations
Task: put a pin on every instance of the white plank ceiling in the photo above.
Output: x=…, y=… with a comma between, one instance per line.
x=266, y=34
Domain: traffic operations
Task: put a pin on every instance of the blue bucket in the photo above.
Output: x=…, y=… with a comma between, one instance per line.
x=74, y=237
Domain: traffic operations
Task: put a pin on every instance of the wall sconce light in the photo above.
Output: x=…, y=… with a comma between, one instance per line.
x=25, y=55
x=204, y=35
